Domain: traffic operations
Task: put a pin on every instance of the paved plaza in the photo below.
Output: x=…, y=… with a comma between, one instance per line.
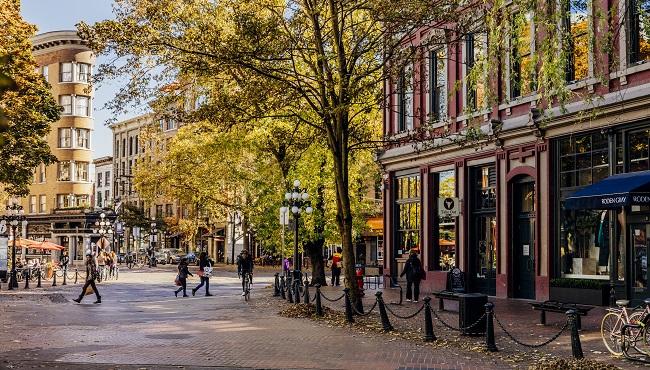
x=140, y=324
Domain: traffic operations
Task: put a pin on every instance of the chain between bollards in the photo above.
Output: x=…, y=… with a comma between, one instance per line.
x=385, y=323
x=348, y=306
x=490, y=344
x=429, y=336
x=576, y=347
x=319, y=306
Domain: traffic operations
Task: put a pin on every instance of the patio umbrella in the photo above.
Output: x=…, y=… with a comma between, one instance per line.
x=45, y=245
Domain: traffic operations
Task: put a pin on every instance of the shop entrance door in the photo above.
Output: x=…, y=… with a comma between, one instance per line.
x=523, y=240
x=485, y=256
x=640, y=243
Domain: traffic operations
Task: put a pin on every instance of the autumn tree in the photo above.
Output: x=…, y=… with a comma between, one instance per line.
x=26, y=104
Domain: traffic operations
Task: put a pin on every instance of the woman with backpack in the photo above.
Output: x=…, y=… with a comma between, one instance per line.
x=413, y=271
x=183, y=273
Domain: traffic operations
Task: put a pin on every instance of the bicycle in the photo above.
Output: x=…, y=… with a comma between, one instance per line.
x=246, y=285
x=613, y=322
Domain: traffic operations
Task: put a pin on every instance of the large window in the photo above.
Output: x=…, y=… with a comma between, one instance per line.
x=638, y=30
x=66, y=102
x=639, y=150
x=99, y=179
x=83, y=72
x=408, y=214
x=107, y=178
x=82, y=106
x=584, y=234
x=475, y=50
x=66, y=72
x=437, y=85
x=32, y=204
x=444, y=252
x=64, y=171
x=99, y=199
x=577, y=39
x=42, y=174
x=522, y=70
x=405, y=100
x=81, y=171
x=169, y=210
x=42, y=208
x=83, y=138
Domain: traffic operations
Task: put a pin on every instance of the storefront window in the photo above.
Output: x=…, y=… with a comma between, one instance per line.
x=583, y=160
x=408, y=214
x=638, y=150
x=446, y=246
x=485, y=188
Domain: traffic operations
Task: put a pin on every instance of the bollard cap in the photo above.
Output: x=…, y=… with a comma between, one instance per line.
x=317, y=285
x=346, y=290
x=489, y=305
x=427, y=300
x=378, y=294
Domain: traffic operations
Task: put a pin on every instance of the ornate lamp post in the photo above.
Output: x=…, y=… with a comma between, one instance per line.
x=296, y=201
x=14, y=216
x=103, y=227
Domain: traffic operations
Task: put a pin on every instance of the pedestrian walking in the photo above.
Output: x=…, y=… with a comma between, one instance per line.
x=129, y=260
x=91, y=275
x=64, y=261
x=414, y=273
x=335, y=265
x=101, y=264
x=244, y=265
x=113, y=263
x=181, y=278
x=205, y=269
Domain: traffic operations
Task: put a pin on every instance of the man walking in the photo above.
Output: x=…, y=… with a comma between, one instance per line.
x=91, y=274
x=244, y=266
x=64, y=261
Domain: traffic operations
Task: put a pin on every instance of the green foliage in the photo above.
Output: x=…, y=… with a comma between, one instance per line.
x=26, y=103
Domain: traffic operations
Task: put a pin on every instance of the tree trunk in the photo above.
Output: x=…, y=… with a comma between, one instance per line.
x=315, y=250
x=245, y=236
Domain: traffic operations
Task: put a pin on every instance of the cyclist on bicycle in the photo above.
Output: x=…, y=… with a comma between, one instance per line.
x=244, y=265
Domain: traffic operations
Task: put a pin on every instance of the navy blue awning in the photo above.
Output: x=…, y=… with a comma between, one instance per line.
x=615, y=191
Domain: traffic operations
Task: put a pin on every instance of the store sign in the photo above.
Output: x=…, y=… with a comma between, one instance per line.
x=448, y=207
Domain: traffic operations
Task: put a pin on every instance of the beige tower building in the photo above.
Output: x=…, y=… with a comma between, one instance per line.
x=58, y=206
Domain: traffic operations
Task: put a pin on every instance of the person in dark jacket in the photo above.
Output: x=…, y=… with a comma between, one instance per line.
x=244, y=265
x=205, y=269
x=413, y=271
x=91, y=275
x=183, y=273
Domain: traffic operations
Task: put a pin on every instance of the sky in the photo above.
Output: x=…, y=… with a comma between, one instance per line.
x=57, y=15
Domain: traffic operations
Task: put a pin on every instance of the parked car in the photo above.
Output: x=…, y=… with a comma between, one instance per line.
x=161, y=258
x=172, y=255
x=121, y=257
x=192, y=258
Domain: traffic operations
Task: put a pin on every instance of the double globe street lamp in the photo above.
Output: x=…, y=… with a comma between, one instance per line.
x=14, y=216
x=103, y=227
x=296, y=201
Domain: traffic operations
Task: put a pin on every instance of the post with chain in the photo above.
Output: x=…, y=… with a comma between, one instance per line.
x=27, y=276
x=306, y=290
x=53, y=277
x=296, y=292
x=282, y=288
x=429, y=336
x=38, y=278
x=276, y=287
x=490, y=344
x=576, y=347
x=65, y=272
x=319, y=306
x=385, y=323
x=290, y=290
x=348, y=306
x=76, y=275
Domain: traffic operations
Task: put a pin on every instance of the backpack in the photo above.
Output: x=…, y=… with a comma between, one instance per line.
x=417, y=269
x=336, y=258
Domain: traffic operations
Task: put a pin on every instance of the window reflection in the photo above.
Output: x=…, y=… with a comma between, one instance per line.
x=408, y=212
x=446, y=247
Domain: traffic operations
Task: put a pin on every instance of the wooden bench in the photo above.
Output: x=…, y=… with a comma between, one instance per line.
x=455, y=286
x=559, y=307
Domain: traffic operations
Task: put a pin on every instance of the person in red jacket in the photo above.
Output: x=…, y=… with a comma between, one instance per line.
x=337, y=259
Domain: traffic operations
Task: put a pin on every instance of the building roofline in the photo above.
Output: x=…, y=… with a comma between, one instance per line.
x=104, y=159
x=51, y=39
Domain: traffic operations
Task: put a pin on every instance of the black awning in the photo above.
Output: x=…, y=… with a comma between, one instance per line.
x=616, y=191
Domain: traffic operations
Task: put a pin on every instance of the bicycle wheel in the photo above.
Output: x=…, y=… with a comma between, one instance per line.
x=638, y=336
x=610, y=330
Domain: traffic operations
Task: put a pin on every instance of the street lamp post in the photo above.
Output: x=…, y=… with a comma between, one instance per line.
x=296, y=201
x=103, y=227
x=152, y=245
x=14, y=216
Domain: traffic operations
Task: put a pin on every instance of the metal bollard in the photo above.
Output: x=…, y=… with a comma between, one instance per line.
x=282, y=288
x=429, y=336
x=38, y=280
x=319, y=305
x=490, y=345
x=276, y=287
x=296, y=292
x=290, y=290
x=26, y=275
x=306, y=300
x=348, y=306
x=76, y=275
x=117, y=273
x=385, y=323
x=54, y=277
x=65, y=273
x=576, y=347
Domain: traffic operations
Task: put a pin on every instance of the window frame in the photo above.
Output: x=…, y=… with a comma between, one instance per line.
x=85, y=110
x=515, y=66
x=69, y=106
x=434, y=101
x=402, y=94
x=63, y=73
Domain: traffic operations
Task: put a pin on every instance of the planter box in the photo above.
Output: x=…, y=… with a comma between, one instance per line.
x=596, y=297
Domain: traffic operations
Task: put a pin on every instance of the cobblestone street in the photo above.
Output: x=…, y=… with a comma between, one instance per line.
x=141, y=324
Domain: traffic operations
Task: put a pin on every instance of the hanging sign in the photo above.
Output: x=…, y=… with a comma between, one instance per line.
x=448, y=207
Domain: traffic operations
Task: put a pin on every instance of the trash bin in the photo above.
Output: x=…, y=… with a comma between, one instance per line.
x=360, y=271
x=471, y=307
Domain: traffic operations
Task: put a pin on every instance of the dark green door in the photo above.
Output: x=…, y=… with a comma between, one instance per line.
x=523, y=240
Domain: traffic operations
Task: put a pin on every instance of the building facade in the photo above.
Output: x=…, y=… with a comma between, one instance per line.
x=58, y=206
x=103, y=197
x=513, y=235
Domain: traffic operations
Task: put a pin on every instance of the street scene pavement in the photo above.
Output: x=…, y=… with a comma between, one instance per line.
x=141, y=324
